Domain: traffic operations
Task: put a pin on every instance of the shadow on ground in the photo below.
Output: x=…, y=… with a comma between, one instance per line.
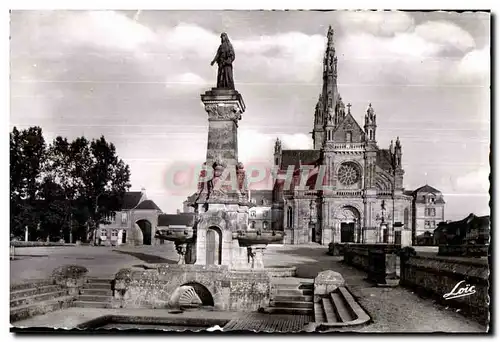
x=149, y=258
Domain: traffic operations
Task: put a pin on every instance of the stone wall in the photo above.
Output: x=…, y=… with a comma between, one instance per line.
x=229, y=290
x=437, y=276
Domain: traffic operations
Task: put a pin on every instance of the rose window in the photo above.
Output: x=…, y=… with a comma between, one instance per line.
x=348, y=174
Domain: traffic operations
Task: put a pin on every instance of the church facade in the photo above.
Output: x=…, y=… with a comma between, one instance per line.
x=347, y=188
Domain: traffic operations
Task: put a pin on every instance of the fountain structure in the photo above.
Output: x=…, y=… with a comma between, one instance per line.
x=220, y=257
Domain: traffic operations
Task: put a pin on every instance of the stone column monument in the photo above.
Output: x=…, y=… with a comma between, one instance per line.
x=222, y=202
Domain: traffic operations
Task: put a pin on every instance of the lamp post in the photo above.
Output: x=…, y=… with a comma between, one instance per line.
x=96, y=221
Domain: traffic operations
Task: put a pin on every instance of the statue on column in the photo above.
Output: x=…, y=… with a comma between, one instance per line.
x=224, y=59
x=398, y=152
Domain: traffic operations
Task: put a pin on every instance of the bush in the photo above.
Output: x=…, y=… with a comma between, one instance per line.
x=69, y=271
x=37, y=244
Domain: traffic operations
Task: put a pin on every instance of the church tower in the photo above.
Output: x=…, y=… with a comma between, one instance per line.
x=370, y=125
x=329, y=98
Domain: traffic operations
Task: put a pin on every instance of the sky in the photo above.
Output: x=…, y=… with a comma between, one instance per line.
x=136, y=78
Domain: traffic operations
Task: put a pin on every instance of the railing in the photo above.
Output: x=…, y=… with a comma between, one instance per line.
x=347, y=146
x=349, y=193
x=384, y=193
x=300, y=192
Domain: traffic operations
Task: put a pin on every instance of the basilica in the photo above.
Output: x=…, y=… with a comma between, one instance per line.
x=361, y=198
x=345, y=189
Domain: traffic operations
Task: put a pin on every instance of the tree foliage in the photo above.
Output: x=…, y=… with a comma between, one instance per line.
x=66, y=186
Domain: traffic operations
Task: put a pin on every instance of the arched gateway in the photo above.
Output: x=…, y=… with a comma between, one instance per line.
x=349, y=219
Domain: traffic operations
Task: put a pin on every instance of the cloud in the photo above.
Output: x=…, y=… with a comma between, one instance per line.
x=255, y=146
x=445, y=35
x=434, y=52
x=474, y=182
x=107, y=29
x=294, y=55
x=475, y=66
x=376, y=23
x=186, y=82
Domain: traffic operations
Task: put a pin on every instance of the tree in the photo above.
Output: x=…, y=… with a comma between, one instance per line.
x=27, y=157
x=92, y=178
x=65, y=187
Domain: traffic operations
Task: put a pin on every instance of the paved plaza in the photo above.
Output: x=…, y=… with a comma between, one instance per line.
x=391, y=309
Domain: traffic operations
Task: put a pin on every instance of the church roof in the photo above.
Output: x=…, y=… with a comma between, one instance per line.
x=148, y=205
x=292, y=157
x=384, y=159
x=427, y=188
x=131, y=199
x=183, y=219
x=262, y=197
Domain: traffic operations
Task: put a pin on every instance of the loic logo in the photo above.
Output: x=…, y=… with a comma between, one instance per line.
x=461, y=289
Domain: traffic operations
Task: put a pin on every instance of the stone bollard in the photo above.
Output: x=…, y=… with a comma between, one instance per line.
x=325, y=283
x=71, y=277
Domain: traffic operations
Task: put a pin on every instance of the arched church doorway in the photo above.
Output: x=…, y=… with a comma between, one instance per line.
x=145, y=226
x=214, y=246
x=349, y=224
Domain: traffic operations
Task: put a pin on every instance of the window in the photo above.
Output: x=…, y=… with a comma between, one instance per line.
x=265, y=213
x=264, y=225
x=348, y=137
x=433, y=224
x=124, y=218
x=431, y=212
x=103, y=232
x=252, y=225
x=427, y=224
x=114, y=233
x=253, y=214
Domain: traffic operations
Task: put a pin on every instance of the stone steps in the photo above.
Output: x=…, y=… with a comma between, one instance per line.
x=289, y=310
x=329, y=311
x=89, y=304
x=97, y=286
x=26, y=311
x=96, y=293
x=37, y=298
x=292, y=298
x=31, y=284
x=339, y=309
x=293, y=292
x=93, y=298
x=319, y=314
x=33, y=291
x=291, y=304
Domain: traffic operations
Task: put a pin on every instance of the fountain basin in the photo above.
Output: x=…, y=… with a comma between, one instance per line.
x=251, y=238
x=178, y=235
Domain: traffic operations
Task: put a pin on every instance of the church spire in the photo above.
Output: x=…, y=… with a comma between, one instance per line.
x=329, y=98
x=330, y=93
